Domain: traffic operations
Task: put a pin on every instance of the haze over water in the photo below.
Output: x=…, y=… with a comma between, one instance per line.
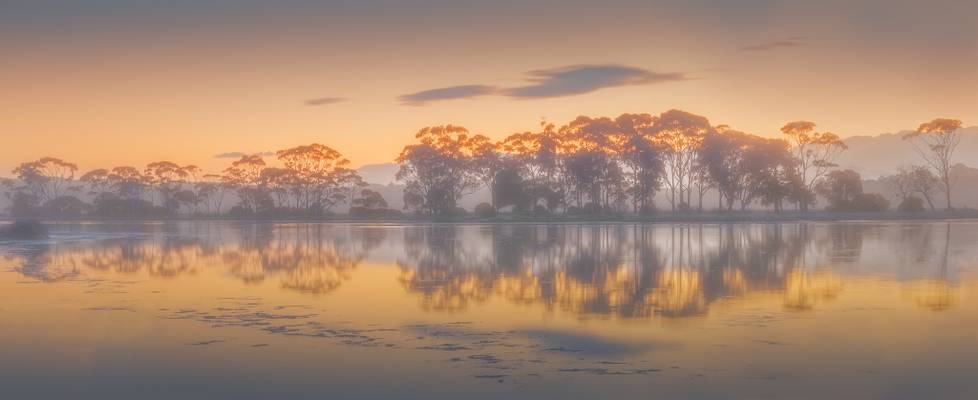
x=254, y=310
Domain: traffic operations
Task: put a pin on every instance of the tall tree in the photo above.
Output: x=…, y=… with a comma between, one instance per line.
x=935, y=142
x=47, y=178
x=319, y=176
x=641, y=154
x=244, y=175
x=681, y=134
x=721, y=154
x=486, y=162
x=436, y=169
x=168, y=178
x=537, y=154
x=816, y=152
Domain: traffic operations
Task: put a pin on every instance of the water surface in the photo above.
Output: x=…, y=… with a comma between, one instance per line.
x=247, y=310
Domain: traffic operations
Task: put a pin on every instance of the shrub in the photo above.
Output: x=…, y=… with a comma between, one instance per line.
x=485, y=210
x=870, y=202
x=911, y=204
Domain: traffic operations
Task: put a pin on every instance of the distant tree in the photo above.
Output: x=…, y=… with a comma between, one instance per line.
x=318, y=175
x=98, y=181
x=127, y=182
x=935, y=142
x=721, y=155
x=681, y=134
x=211, y=191
x=642, y=155
x=167, y=178
x=816, y=152
x=841, y=188
x=910, y=182
x=870, y=202
x=244, y=176
x=485, y=163
x=186, y=198
x=485, y=210
x=511, y=190
x=371, y=200
x=538, y=156
x=911, y=204
x=767, y=168
x=47, y=178
x=436, y=169
x=281, y=183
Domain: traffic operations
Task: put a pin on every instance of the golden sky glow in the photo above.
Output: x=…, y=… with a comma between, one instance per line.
x=119, y=82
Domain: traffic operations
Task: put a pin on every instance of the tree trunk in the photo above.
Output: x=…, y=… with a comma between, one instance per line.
x=947, y=191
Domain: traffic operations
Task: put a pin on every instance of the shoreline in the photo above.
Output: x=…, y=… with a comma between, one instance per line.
x=703, y=218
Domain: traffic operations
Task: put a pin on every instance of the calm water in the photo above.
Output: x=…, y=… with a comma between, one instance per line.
x=240, y=310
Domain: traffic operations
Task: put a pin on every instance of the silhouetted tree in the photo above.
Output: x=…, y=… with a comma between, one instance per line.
x=681, y=134
x=45, y=179
x=436, y=170
x=936, y=142
x=816, y=153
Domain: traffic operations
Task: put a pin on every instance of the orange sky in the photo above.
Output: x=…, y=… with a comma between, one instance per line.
x=117, y=82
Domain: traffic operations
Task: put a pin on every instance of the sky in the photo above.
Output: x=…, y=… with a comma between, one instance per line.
x=125, y=82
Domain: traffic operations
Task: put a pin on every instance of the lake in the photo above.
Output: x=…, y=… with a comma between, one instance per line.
x=259, y=310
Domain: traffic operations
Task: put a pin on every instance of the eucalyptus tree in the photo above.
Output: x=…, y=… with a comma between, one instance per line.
x=816, y=153
x=935, y=142
x=47, y=178
x=642, y=156
x=681, y=135
x=436, y=169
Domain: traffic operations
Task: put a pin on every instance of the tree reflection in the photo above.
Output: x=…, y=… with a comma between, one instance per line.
x=592, y=271
x=311, y=258
x=634, y=271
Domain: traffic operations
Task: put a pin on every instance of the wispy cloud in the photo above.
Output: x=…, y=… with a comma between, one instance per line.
x=557, y=82
x=796, y=41
x=321, y=101
x=239, y=154
x=580, y=79
x=446, y=93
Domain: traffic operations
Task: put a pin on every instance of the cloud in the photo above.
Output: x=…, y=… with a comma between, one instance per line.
x=557, y=82
x=796, y=41
x=321, y=101
x=239, y=154
x=581, y=79
x=446, y=93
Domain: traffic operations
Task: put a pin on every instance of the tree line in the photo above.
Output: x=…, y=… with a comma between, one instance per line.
x=613, y=165
x=591, y=165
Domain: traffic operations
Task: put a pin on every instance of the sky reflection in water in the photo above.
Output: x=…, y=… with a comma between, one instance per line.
x=213, y=309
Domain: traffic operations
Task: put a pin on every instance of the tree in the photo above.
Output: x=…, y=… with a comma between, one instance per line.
x=317, y=176
x=909, y=182
x=244, y=176
x=537, y=155
x=768, y=169
x=680, y=134
x=935, y=142
x=844, y=191
x=642, y=155
x=816, y=152
x=721, y=154
x=47, y=178
x=510, y=190
x=486, y=162
x=435, y=169
x=371, y=200
x=211, y=191
x=168, y=178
